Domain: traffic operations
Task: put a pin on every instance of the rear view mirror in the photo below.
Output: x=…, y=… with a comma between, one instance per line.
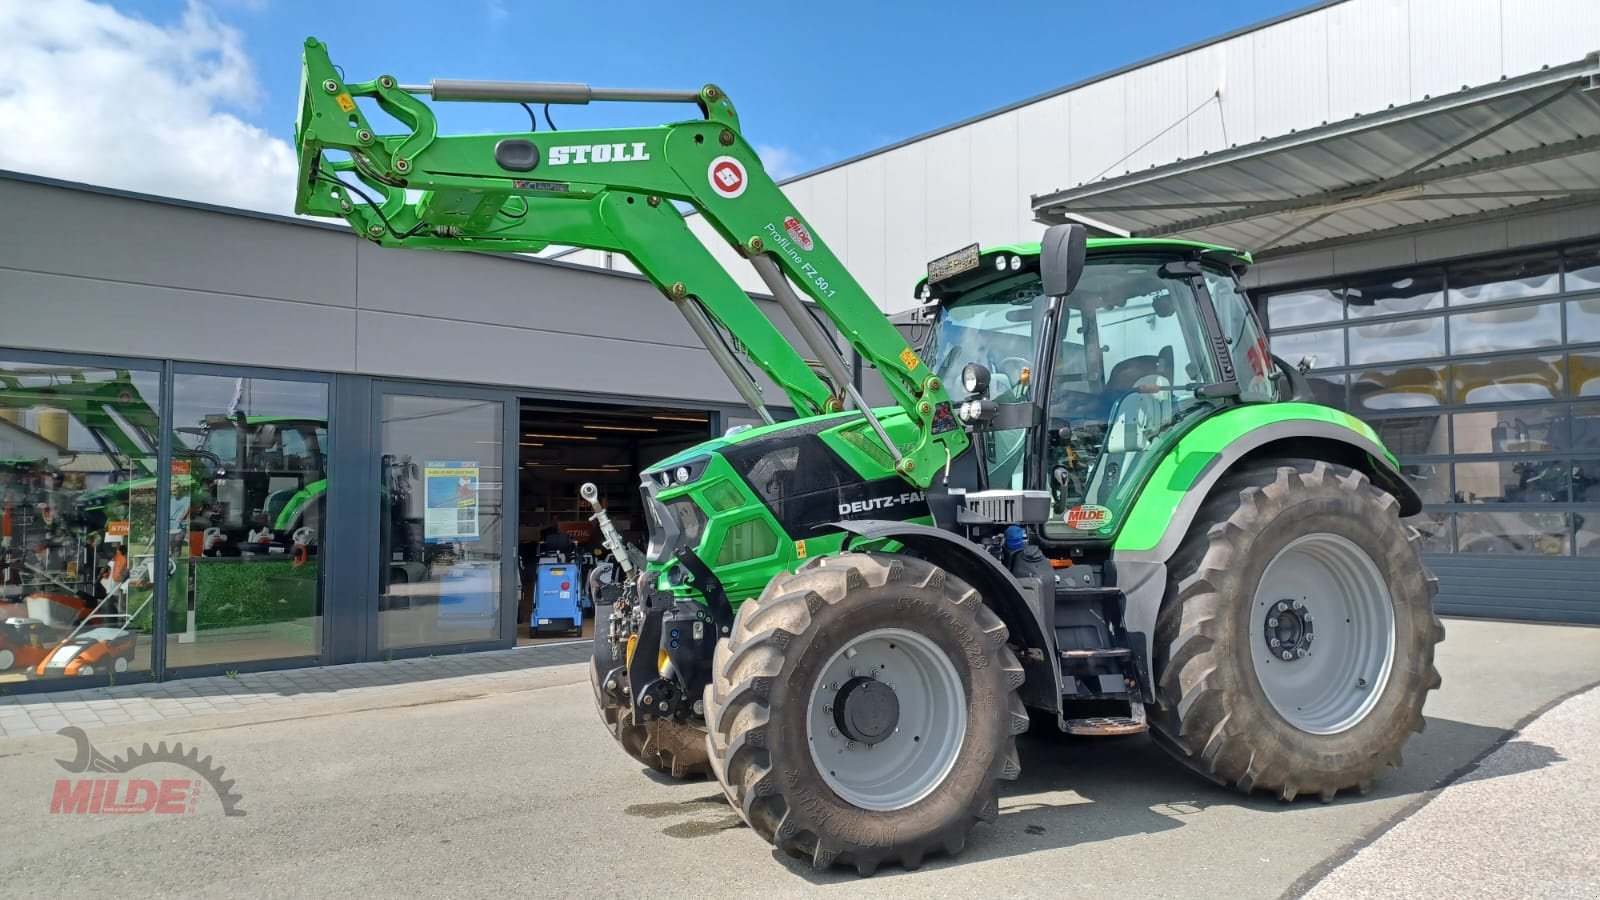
x=1061, y=256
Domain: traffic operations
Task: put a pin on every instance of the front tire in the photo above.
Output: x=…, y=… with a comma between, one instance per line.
x=864, y=710
x=1294, y=649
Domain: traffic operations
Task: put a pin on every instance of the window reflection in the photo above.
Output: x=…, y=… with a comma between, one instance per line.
x=1583, y=268
x=1391, y=294
x=1413, y=435
x=1585, y=369
x=79, y=533
x=1506, y=328
x=1505, y=278
x=1509, y=380
x=1328, y=390
x=247, y=581
x=1522, y=429
x=1311, y=306
x=1383, y=342
x=1326, y=346
x=1514, y=481
x=1588, y=537
x=1586, y=480
x=1585, y=422
x=1431, y=480
x=1409, y=387
x=1514, y=533
x=1437, y=529
x=1583, y=320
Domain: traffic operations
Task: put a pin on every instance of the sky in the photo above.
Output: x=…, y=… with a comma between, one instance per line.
x=196, y=98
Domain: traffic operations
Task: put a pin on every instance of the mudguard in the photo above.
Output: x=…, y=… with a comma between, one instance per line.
x=1170, y=499
x=1000, y=592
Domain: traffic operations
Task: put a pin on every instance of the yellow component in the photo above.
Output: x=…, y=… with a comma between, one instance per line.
x=632, y=640
x=345, y=103
x=910, y=359
x=1025, y=376
x=661, y=662
x=800, y=549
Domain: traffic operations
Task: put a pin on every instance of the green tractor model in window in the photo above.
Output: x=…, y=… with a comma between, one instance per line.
x=1094, y=501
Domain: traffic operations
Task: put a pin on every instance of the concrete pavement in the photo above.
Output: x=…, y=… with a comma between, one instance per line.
x=469, y=784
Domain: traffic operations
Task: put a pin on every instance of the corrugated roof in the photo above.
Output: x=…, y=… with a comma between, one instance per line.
x=1518, y=141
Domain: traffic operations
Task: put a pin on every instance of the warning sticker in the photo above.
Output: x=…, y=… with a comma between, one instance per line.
x=345, y=103
x=797, y=231
x=910, y=359
x=800, y=549
x=727, y=177
x=1087, y=518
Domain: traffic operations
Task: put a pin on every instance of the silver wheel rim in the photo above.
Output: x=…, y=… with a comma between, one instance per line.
x=913, y=760
x=121, y=665
x=7, y=659
x=86, y=670
x=1323, y=604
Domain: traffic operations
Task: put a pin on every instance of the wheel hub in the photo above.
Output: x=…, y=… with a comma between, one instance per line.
x=1288, y=630
x=866, y=710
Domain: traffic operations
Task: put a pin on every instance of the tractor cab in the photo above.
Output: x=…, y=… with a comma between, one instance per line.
x=1075, y=393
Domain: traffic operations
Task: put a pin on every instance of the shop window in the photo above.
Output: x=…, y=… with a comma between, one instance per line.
x=1514, y=533
x=1585, y=478
x=1419, y=386
x=1506, y=328
x=1430, y=480
x=1583, y=268
x=1386, y=295
x=79, y=533
x=1583, y=320
x=247, y=577
x=1505, y=278
x=1325, y=348
x=1512, y=380
x=1384, y=342
x=1309, y=306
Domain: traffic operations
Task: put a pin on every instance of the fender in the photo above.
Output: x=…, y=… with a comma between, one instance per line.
x=1000, y=592
x=1170, y=499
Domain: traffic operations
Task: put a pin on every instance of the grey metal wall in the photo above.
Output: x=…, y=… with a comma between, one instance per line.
x=101, y=272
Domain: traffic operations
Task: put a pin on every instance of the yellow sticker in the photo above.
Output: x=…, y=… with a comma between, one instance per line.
x=910, y=359
x=345, y=103
x=800, y=549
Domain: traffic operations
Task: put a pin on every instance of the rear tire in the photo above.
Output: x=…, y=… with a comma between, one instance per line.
x=1307, y=559
x=675, y=749
x=926, y=690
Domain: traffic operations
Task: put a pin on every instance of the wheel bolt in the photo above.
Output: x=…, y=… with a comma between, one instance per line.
x=827, y=709
x=1272, y=622
x=833, y=732
x=1301, y=653
x=849, y=745
x=1283, y=606
x=852, y=673
x=1287, y=655
x=1309, y=636
x=1276, y=643
x=1299, y=605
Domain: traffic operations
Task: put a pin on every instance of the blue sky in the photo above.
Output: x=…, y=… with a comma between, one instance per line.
x=814, y=82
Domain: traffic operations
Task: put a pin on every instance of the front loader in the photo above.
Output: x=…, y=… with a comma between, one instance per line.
x=1095, y=504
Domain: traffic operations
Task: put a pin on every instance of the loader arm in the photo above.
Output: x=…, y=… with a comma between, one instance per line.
x=612, y=189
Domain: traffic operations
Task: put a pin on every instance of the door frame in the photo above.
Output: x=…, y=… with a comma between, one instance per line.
x=370, y=486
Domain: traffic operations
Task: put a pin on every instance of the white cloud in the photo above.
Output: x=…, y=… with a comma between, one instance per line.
x=497, y=11
x=91, y=94
x=779, y=161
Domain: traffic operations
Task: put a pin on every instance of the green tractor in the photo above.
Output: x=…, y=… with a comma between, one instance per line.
x=1095, y=504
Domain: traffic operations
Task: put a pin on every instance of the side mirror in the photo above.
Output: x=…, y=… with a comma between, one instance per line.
x=1061, y=256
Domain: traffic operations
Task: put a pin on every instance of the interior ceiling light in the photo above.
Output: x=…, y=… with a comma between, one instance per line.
x=619, y=428
x=527, y=444
x=701, y=420
x=587, y=469
x=565, y=437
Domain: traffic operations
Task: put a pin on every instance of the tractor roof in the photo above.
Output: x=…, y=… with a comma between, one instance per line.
x=1237, y=259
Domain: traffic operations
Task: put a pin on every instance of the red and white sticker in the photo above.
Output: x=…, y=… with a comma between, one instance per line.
x=727, y=177
x=1088, y=518
x=798, y=232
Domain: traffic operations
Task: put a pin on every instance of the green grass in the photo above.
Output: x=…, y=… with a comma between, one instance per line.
x=230, y=595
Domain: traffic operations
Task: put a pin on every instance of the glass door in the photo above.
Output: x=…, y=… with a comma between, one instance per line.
x=442, y=531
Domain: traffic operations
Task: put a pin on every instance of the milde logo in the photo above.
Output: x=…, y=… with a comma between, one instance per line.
x=116, y=796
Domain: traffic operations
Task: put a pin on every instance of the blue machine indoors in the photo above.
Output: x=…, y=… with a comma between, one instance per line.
x=558, y=599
